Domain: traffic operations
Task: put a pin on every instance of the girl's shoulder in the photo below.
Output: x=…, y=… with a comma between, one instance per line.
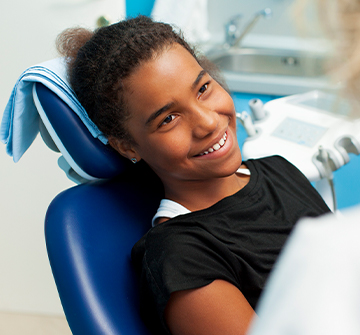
x=274, y=166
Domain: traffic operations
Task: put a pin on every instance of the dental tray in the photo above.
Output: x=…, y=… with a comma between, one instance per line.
x=296, y=126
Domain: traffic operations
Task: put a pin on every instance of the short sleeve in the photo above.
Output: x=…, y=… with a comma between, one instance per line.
x=186, y=258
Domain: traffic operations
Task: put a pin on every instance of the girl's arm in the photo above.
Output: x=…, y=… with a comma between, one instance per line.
x=218, y=308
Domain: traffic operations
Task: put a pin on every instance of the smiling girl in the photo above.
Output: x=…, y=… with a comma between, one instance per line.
x=222, y=222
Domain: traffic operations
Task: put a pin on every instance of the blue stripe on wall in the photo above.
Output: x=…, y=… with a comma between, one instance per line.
x=136, y=7
x=347, y=183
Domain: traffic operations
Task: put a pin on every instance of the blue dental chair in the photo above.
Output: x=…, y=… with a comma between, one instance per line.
x=91, y=228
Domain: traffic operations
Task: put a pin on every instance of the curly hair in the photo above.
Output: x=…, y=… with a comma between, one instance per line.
x=99, y=61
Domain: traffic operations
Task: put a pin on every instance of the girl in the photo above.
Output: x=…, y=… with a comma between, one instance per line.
x=223, y=222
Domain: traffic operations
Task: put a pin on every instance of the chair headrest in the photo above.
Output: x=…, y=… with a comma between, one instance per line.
x=86, y=155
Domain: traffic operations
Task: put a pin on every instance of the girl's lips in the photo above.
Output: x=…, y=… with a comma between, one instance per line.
x=216, y=146
x=220, y=148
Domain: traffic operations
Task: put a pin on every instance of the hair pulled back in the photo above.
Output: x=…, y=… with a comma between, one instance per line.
x=99, y=61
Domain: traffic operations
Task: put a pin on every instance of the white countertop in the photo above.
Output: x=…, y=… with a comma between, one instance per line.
x=275, y=85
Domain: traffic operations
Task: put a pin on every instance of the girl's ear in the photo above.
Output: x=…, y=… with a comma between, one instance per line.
x=124, y=148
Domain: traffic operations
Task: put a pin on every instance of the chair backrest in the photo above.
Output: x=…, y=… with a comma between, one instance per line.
x=86, y=155
x=90, y=230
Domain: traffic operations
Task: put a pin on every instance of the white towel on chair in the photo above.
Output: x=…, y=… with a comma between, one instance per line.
x=20, y=122
x=191, y=16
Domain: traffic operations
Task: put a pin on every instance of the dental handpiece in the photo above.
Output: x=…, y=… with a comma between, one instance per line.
x=257, y=109
x=247, y=123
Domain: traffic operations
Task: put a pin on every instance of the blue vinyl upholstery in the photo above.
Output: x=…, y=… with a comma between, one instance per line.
x=90, y=230
x=89, y=154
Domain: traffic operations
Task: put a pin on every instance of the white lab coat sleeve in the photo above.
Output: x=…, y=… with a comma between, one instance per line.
x=315, y=285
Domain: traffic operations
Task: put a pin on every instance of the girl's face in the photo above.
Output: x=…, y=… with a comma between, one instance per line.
x=182, y=120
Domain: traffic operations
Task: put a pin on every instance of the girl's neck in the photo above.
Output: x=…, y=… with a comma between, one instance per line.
x=198, y=195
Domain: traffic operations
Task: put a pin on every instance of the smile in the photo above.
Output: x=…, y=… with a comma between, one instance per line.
x=216, y=146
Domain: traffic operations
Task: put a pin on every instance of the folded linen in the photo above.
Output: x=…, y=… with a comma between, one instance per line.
x=20, y=122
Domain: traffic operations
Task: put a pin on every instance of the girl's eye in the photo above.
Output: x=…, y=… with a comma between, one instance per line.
x=203, y=89
x=168, y=119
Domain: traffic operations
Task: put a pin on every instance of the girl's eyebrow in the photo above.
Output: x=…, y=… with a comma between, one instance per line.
x=156, y=114
x=164, y=109
x=199, y=77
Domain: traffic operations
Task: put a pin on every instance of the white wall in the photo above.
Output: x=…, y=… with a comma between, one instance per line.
x=28, y=30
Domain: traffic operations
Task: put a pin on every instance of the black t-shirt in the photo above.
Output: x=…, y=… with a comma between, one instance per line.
x=238, y=239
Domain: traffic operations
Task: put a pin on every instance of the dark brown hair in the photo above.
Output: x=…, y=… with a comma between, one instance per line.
x=99, y=61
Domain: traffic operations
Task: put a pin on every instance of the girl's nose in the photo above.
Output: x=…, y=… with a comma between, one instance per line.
x=204, y=122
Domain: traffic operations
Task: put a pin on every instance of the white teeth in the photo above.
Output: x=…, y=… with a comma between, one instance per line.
x=216, y=146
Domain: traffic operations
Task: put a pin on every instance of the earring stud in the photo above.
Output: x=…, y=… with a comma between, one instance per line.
x=134, y=160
